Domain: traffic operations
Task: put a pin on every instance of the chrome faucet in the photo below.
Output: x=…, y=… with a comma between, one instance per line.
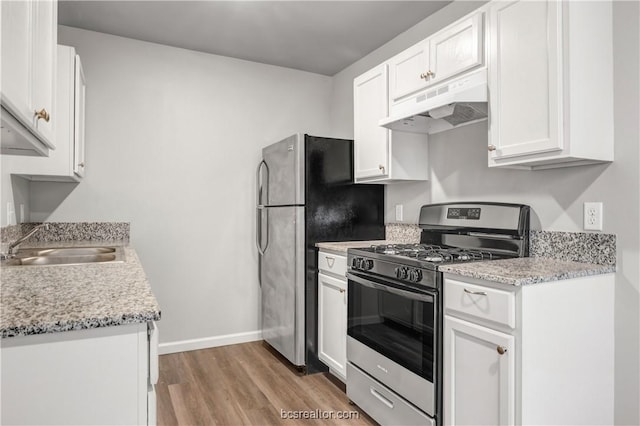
x=16, y=243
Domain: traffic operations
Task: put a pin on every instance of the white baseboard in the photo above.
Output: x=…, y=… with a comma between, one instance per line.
x=208, y=342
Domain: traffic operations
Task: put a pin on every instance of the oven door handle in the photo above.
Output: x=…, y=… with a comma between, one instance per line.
x=369, y=282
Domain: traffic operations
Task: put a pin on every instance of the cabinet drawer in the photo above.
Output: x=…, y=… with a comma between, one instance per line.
x=380, y=402
x=481, y=302
x=331, y=263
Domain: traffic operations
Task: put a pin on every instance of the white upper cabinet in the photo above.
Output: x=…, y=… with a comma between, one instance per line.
x=371, y=147
x=550, y=83
x=382, y=155
x=454, y=50
x=66, y=162
x=29, y=39
x=408, y=70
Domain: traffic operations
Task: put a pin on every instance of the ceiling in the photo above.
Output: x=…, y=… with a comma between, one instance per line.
x=323, y=37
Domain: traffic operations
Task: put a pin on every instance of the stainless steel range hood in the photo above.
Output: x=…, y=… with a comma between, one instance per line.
x=456, y=103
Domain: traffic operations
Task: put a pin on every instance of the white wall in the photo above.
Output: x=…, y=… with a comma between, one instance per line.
x=173, y=140
x=458, y=161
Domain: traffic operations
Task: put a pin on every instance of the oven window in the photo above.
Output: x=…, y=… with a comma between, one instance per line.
x=395, y=326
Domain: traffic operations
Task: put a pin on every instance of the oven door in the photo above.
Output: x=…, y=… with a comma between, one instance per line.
x=393, y=335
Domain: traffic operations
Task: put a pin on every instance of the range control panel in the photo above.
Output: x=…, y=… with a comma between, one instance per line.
x=463, y=213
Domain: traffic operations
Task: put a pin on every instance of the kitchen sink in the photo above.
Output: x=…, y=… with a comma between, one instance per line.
x=66, y=251
x=65, y=256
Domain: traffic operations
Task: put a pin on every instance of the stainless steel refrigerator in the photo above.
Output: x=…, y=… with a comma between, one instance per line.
x=305, y=195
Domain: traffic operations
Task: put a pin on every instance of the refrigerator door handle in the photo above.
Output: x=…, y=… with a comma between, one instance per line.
x=259, y=230
x=259, y=183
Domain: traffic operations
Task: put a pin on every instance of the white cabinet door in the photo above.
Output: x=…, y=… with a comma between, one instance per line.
x=78, y=125
x=479, y=381
x=456, y=49
x=64, y=163
x=371, y=142
x=29, y=38
x=43, y=70
x=332, y=323
x=16, y=56
x=525, y=78
x=407, y=71
x=88, y=377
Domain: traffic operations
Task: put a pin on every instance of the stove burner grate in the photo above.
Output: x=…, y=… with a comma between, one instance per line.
x=432, y=253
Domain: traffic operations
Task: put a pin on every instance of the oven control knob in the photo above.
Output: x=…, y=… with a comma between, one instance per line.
x=367, y=264
x=354, y=263
x=415, y=275
x=401, y=273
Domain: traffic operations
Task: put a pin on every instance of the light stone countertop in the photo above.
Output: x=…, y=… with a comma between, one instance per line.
x=526, y=270
x=343, y=246
x=54, y=298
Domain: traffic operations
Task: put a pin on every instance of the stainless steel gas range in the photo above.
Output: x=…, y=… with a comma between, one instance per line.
x=394, y=320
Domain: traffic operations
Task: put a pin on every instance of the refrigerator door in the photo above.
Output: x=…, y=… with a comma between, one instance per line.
x=283, y=282
x=283, y=173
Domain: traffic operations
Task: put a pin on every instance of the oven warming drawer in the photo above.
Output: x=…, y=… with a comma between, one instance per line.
x=407, y=384
x=381, y=403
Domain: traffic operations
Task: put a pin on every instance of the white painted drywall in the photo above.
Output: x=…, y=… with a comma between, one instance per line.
x=173, y=140
x=458, y=161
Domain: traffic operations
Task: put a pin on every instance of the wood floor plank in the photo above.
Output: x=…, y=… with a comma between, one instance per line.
x=188, y=405
x=247, y=384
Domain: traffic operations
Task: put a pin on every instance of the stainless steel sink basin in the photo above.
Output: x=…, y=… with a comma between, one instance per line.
x=66, y=256
x=66, y=251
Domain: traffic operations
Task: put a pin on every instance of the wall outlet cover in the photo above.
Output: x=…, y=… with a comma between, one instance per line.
x=398, y=212
x=593, y=216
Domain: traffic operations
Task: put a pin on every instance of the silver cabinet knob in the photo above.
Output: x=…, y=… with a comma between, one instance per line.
x=381, y=167
x=81, y=164
x=501, y=350
x=427, y=75
x=491, y=147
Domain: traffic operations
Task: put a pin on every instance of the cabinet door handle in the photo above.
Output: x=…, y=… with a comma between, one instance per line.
x=427, y=75
x=381, y=167
x=501, y=350
x=330, y=261
x=477, y=293
x=81, y=164
x=342, y=290
x=492, y=147
x=42, y=114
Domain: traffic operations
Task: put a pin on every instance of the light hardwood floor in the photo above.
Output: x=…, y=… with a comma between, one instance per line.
x=245, y=384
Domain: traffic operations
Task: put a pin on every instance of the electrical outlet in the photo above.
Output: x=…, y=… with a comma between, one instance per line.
x=399, y=212
x=593, y=216
x=11, y=213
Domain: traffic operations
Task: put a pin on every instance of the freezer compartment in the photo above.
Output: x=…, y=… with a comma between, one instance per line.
x=281, y=175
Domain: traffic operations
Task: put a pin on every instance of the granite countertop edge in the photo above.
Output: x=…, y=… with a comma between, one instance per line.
x=343, y=246
x=527, y=271
x=122, y=288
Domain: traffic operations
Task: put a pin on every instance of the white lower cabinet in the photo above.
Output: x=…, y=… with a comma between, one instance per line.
x=88, y=377
x=538, y=354
x=480, y=379
x=332, y=312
